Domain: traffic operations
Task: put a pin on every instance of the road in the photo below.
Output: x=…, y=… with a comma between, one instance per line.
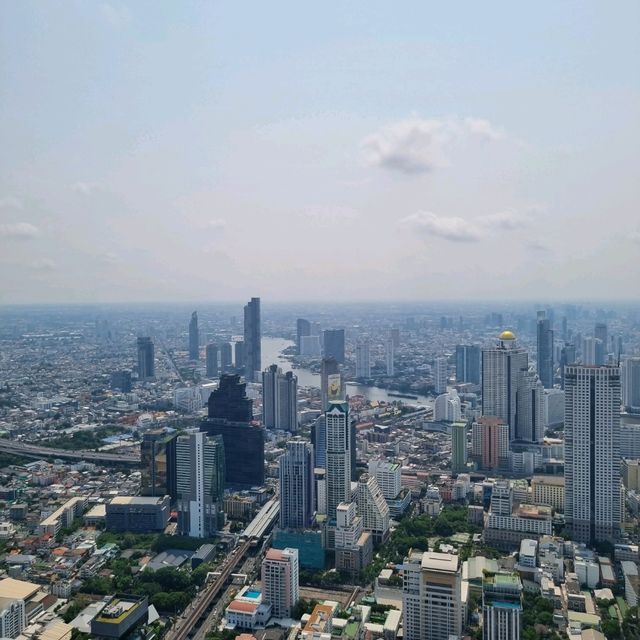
x=189, y=618
x=34, y=451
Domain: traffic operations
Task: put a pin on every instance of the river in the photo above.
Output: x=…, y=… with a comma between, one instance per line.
x=272, y=349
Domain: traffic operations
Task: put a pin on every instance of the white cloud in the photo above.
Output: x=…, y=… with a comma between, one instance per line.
x=418, y=145
x=10, y=202
x=505, y=220
x=19, y=230
x=635, y=236
x=453, y=228
x=118, y=16
x=108, y=257
x=85, y=188
x=537, y=245
x=43, y=264
x=215, y=224
x=323, y=215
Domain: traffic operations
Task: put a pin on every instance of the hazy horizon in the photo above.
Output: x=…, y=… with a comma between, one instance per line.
x=425, y=153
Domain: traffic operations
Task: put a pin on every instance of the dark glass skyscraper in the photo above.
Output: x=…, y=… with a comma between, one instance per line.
x=468, y=363
x=121, y=381
x=230, y=415
x=252, y=337
x=545, y=350
x=194, y=337
x=158, y=456
x=146, y=359
x=334, y=344
x=602, y=347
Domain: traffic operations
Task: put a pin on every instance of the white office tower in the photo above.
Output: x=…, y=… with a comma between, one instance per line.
x=631, y=385
x=372, y=508
x=279, y=399
x=501, y=499
x=188, y=399
x=431, y=598
x=349, y=526
x=502, y=367
x=200, y=472
x=338, y=458
x=389, y=355
x=592, y=452
x=281, y=581
x=363, y=359
x=447, y=407
x=440, y=374
x=297, y=486
x=530, y=408
x=501, y=607
x=389, y=477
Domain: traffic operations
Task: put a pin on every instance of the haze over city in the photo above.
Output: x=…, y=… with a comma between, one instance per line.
x=208, y=151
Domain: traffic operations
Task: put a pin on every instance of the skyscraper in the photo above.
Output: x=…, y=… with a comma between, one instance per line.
x=338, y=457
x=158, y=458
x=567, y=356
x=631, y=385
x=490, y=442
x=225, y=357
x=333, y=340
x=303, y=328
x=212, y=360
x=501, y=606
x=545, y=350
x=591, y=351
x=331, y=383
x=279, y=399
x=363, y=360
x=297, y=486
x=501, y=370
x=252, y=338
x=530, y=411
x=389, y=356
x=200, y=471
x=458, y=447
x=239, y=356
x=592, y=452
x=194, y=337
x=602, y=347
x=372, y=508
x=440, y=375
x=230, y=416
x=281, y=581
x=319, y=441
x=468, y=363
x=146, y=359
x=431, y=601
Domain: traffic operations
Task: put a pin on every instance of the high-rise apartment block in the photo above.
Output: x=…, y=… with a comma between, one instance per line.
x=468, y=363
x=297, y=486
x=279, y=399
x=226, y=357
x=592, y=452
x=459, y=447
x=252, y=338
x=333, y=341
x=372, y=508
x=338, y=456
x=545, y=350
x=431, y=599
x=146, y=359
x=194, y=337
x=490, y=442
x=389, y=356
x=440, y=374
x=501, y=607
x=200, y=472
x=389, y=477
x=281, y=581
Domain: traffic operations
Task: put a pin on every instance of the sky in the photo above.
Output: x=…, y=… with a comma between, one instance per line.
x=423, y=150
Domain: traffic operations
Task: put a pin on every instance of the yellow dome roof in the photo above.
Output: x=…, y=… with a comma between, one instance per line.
x=507, y=335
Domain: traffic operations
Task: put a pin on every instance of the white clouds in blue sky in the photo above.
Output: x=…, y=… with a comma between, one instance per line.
x=190, y=150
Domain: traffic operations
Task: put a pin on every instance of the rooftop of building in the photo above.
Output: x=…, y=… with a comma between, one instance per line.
x=444, y=562
x=139, y=500
x=119, y=608
x=550, y=480
x=507, y=335
x=241, y=606
x=17, y=589
x=320, y=616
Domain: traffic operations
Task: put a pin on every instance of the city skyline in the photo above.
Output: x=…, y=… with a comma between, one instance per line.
x=446, y=134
